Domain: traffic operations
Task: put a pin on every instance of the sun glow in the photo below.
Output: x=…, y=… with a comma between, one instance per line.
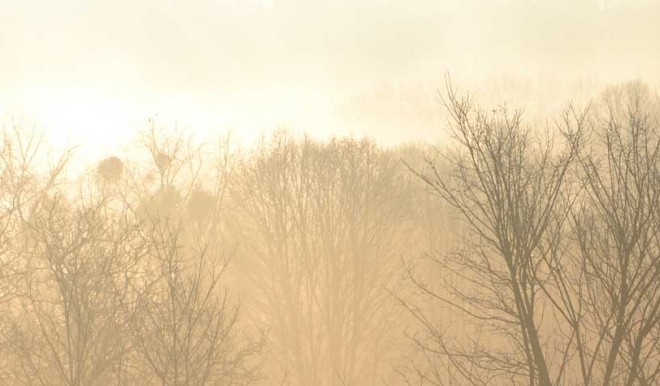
x=99, y=123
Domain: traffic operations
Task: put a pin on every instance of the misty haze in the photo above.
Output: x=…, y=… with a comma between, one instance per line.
x=331, y=193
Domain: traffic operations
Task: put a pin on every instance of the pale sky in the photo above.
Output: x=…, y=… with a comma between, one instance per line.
x=93, y=72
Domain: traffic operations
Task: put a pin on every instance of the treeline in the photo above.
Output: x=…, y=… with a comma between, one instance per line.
x=509, y=255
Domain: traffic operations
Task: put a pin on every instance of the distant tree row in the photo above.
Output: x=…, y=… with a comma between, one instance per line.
x=512, y=255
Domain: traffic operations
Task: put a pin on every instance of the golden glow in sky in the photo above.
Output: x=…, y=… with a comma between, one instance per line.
x=92, y=73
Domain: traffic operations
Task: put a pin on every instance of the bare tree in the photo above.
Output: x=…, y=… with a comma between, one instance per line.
x=69, y=328
x=616, y=231
x=25, y=177
x=321, y=229
x=506, y=182
x=120, y=274
x=184, y=324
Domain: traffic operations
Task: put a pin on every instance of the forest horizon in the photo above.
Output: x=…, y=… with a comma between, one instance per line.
x=330, y=192
x=507, y=254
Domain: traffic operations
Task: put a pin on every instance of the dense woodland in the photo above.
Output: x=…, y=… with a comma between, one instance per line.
x=508, y=254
